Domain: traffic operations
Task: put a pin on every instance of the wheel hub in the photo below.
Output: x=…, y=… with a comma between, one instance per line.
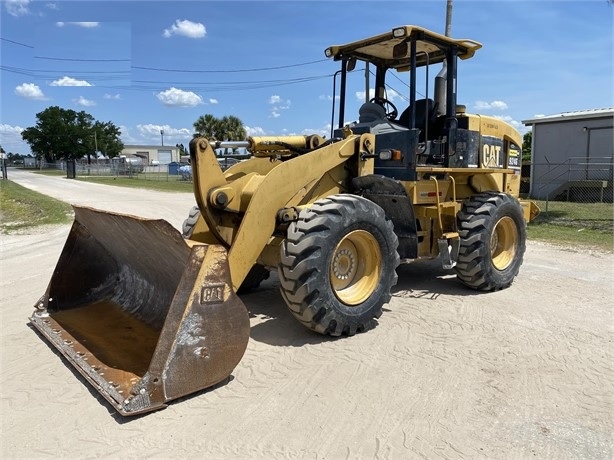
x=355, y=267
x=344, y=264
x=503, y=243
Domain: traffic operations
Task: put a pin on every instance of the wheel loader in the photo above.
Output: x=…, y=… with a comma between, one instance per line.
x=332, y=217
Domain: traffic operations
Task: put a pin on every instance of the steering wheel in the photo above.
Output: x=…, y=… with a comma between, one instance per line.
x=391, y=112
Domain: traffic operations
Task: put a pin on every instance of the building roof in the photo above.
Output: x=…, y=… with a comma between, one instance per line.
x=577, y=115
x=150, y=147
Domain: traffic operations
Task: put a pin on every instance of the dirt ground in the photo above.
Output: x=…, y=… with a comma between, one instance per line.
x=447, y=373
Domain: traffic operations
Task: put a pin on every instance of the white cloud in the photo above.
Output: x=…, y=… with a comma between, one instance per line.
x=30, y=91
x=126, y=136
x=52, y=6
x=9, y=131
x=391, y=95
x=17, y=7
x=360, y=95
x=115, y=97
x=324, y=132
x=494, y=105
x=174, y=97
x=87, y=25
x=84, y=102
x=186, y=28
x=151, y=133
x=328, y=97
x=68, y=81
x=213, y=101
x=254, y=131
x=278, y=104
x=516, y=124
x=11, y=139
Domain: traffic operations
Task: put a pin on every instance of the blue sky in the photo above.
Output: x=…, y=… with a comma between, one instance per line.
x=152, y=65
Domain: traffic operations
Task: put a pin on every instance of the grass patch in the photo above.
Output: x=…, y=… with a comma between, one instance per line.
x=586, y=224
x=50, y=172
x=22, y=208
x=151, y=182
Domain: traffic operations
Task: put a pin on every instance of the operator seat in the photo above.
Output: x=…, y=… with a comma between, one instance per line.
x=370, y=112
x=425, y=111
x=372, y=119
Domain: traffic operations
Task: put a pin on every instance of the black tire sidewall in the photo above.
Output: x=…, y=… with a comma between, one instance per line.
x=366, y=309
x=308, y=251
x=475, y=267
x=507, y=275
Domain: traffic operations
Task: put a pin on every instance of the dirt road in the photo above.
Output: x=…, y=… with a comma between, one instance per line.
x=448, y=373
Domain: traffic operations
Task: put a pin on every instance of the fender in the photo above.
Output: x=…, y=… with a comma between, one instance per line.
x=391, y=196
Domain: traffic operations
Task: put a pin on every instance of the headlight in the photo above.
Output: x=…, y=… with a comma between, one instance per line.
x=398, y=32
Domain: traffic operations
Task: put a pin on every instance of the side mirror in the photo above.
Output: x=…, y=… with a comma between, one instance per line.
x=351, y=64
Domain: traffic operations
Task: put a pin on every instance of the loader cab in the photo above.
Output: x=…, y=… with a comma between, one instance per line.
x=419, y=124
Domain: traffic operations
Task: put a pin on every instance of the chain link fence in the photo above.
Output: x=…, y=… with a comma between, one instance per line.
x=119, y=168
x=122, y=167
x=575, y=193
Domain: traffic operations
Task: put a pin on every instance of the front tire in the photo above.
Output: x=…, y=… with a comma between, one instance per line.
x=188, y=225
x=493, y=237
x=338, y=265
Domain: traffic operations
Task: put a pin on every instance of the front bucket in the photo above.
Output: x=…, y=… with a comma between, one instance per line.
x=144, y=317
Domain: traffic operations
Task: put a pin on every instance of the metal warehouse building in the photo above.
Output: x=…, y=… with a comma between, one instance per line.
x=572, y=156
x=153, y=154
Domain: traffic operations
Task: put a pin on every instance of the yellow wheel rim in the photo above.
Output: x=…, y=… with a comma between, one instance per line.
x=504, y=243
x=355, y=267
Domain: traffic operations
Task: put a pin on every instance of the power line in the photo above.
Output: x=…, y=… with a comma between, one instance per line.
x=228, y=86
x=59, y=72
x=101, y=76
x=157, y=69
x=243, y=82
x=49, y=58
x=16, y=43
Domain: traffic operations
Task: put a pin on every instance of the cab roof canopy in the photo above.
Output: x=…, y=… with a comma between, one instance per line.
x=392, y=50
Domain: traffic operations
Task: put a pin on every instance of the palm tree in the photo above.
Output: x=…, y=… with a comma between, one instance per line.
x=227, y=128
x=233, y=128
x=208, y=126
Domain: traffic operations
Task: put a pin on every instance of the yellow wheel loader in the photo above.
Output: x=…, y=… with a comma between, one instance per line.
x=333, y=217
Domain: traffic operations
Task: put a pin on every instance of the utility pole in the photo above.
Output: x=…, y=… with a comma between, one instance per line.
x=3, y=163
x=162, y=136
x=449, y=18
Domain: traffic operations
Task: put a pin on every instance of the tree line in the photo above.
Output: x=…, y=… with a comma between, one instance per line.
x=64, y=134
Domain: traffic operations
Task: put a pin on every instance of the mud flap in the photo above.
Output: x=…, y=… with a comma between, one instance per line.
x=144, y=317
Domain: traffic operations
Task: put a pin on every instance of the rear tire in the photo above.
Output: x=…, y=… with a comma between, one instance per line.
x=255, y=276
x=493, y=236
x=338, y=265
